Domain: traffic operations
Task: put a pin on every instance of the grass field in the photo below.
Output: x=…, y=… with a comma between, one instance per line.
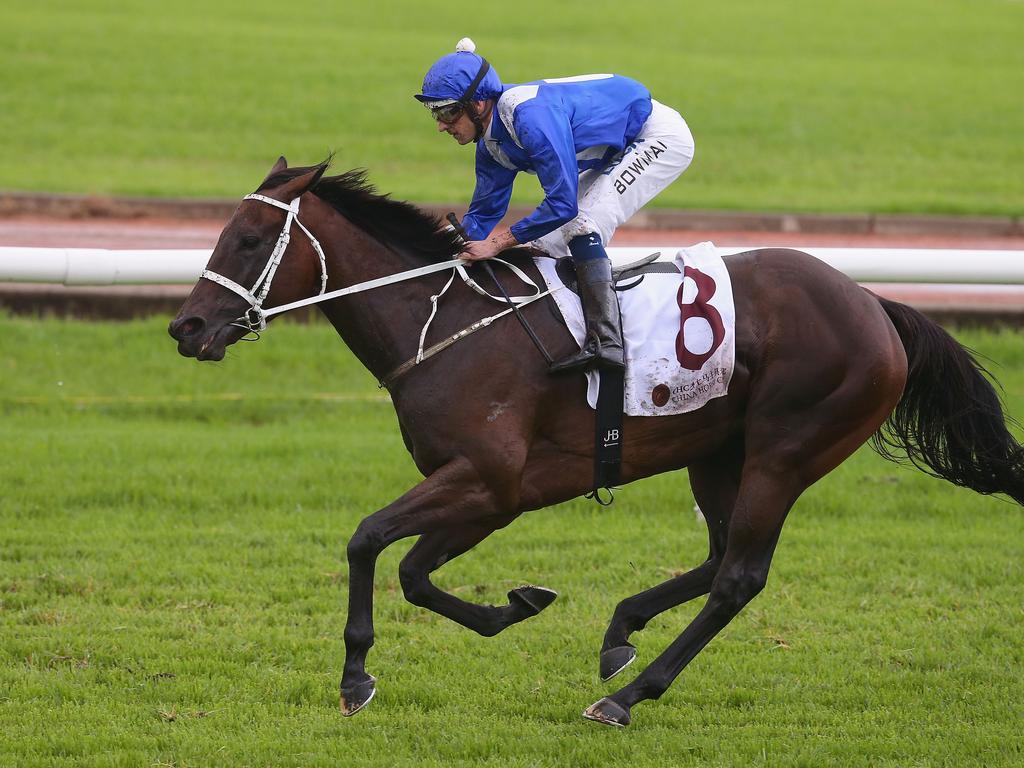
x=863, y=105
x=172, y=585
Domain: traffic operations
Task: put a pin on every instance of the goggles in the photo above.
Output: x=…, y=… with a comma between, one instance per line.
x=451, y=111
x=448, y=113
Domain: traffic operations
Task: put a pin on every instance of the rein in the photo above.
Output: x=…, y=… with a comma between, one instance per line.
x=255, y=318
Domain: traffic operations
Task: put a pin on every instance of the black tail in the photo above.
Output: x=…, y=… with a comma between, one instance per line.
x=950, y=421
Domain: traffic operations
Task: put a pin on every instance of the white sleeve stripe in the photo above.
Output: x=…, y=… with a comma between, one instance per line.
x=577, y=79
x=507, y=104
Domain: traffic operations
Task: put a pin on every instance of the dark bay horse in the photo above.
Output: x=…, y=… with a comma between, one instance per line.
x=822, y=366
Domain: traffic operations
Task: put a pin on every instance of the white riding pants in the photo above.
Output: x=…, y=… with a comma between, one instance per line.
x=610, y=195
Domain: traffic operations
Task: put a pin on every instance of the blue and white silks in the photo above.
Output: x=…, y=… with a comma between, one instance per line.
x=556, y=129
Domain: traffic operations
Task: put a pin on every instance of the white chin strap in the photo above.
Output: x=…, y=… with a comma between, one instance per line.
x=255, y=319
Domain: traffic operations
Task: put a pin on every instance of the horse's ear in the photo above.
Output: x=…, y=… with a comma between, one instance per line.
x=279, y=166
x=300, y=184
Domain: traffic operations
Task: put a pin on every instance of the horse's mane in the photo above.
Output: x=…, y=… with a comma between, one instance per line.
x=393, y=222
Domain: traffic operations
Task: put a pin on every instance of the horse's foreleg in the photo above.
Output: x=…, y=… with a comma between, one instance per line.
x=757, y=519
x=452, y=496
x=357, y=687
x=715, y=483
x=439, y=547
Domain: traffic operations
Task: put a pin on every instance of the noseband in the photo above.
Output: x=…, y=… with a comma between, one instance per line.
x=255, y=318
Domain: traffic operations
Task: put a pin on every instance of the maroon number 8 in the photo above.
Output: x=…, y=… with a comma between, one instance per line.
x=699, y=307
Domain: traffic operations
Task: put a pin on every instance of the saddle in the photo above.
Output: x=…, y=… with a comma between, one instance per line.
x=649, y=264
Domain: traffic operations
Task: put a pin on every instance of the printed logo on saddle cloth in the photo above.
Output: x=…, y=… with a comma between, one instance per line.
x=678, y=329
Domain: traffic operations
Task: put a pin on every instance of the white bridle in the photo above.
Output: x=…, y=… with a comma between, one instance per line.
x=255, y=318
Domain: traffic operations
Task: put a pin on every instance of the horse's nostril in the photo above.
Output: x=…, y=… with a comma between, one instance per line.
x=190, y=326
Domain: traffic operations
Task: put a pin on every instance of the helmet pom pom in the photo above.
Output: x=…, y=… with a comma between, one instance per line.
x=465, y=45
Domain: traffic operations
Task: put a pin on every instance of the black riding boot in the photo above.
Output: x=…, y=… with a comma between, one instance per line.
x=602, y=347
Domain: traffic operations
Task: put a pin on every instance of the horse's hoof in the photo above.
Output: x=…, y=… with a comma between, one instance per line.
x=614, y=660
x=607, y=712
x=532, y=599
x=354, y=698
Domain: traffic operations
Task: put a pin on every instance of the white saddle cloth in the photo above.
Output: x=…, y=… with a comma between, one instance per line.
x=678, y=331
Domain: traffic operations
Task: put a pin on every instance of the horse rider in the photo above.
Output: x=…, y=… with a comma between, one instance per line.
x=601, y=148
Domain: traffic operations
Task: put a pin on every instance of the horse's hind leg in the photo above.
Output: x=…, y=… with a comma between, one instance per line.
x=715, y=483
x=794, y=439
x=762, y=503
x=436, y=548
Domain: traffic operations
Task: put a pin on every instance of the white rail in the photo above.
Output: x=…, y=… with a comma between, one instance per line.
x=93, y=266
x=899, y=265
x=96, y=266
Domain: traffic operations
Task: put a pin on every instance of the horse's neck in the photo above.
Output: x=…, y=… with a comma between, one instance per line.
x=380, y=326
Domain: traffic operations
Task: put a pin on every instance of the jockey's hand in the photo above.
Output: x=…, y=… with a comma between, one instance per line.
x=478, y=250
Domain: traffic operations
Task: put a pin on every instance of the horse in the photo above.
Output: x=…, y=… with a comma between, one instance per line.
x=822, y=366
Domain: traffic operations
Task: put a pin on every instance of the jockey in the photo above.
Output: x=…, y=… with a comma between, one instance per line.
x=601, y=149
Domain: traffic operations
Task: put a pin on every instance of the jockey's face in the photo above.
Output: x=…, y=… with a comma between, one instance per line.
x=462, y=128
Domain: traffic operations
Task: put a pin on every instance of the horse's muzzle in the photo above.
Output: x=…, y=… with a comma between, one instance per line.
x=196, y=340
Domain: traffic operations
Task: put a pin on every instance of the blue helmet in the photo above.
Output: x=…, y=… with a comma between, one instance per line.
x=451, y=76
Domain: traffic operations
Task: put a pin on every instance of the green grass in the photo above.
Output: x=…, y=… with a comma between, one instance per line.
x=172, y=585
x=850, y=106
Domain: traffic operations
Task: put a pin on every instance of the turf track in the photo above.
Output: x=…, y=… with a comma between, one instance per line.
x=172, y=587
x=855, y=105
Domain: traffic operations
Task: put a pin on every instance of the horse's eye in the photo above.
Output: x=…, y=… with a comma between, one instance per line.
x=250, y=241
